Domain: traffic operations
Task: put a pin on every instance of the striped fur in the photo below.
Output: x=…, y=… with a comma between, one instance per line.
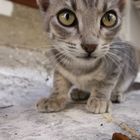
x=111, y=68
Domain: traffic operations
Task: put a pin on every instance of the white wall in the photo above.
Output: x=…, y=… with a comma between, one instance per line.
x=6, y=7
x=131, y=27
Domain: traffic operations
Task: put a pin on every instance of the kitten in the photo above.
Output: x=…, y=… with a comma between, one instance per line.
x=87, y=53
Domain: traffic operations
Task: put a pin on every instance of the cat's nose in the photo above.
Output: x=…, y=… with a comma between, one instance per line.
x=89, y=48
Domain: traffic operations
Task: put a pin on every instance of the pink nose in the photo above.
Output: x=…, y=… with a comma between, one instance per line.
x=89, y=48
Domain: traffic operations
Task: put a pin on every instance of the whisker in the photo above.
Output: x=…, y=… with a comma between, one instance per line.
x=124, y=54
x=60, y=58
x=113, y=57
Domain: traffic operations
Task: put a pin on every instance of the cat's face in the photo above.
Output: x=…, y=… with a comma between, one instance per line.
x=82, y=29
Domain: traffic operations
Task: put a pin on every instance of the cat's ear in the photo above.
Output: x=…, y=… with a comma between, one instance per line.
x=43, y=5
x=122, y=4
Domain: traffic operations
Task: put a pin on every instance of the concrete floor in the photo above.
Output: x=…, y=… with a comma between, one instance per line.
x=24, y=80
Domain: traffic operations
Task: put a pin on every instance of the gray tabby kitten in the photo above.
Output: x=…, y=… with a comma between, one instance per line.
x=87, y=53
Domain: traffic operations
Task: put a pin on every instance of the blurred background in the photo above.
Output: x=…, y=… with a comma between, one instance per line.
x=20, y=26
x=21, y=23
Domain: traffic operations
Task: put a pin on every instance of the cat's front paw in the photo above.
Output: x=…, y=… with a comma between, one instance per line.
x=98, y=105
x=51, y=105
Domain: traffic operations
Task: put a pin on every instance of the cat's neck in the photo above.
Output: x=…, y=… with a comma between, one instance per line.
x=78, y=68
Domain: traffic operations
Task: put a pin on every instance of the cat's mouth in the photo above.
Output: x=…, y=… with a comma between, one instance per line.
x=87, y=57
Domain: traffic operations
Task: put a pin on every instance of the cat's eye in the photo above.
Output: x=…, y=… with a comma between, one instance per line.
x=67, y=18
x=109, y=19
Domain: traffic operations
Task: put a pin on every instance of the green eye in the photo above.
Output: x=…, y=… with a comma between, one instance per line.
x=109, y=19
x=67, y=18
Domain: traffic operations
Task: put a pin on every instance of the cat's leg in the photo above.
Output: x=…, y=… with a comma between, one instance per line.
x=79, y=95
x=99, y=101
x=59, y=97
x=118, y=94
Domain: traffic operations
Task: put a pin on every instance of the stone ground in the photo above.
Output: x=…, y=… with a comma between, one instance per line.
x=24, y=80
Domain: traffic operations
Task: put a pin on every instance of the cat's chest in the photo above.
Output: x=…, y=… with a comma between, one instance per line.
x=82, y=81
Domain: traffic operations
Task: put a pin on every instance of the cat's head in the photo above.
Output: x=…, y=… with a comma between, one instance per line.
x=82, y=29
